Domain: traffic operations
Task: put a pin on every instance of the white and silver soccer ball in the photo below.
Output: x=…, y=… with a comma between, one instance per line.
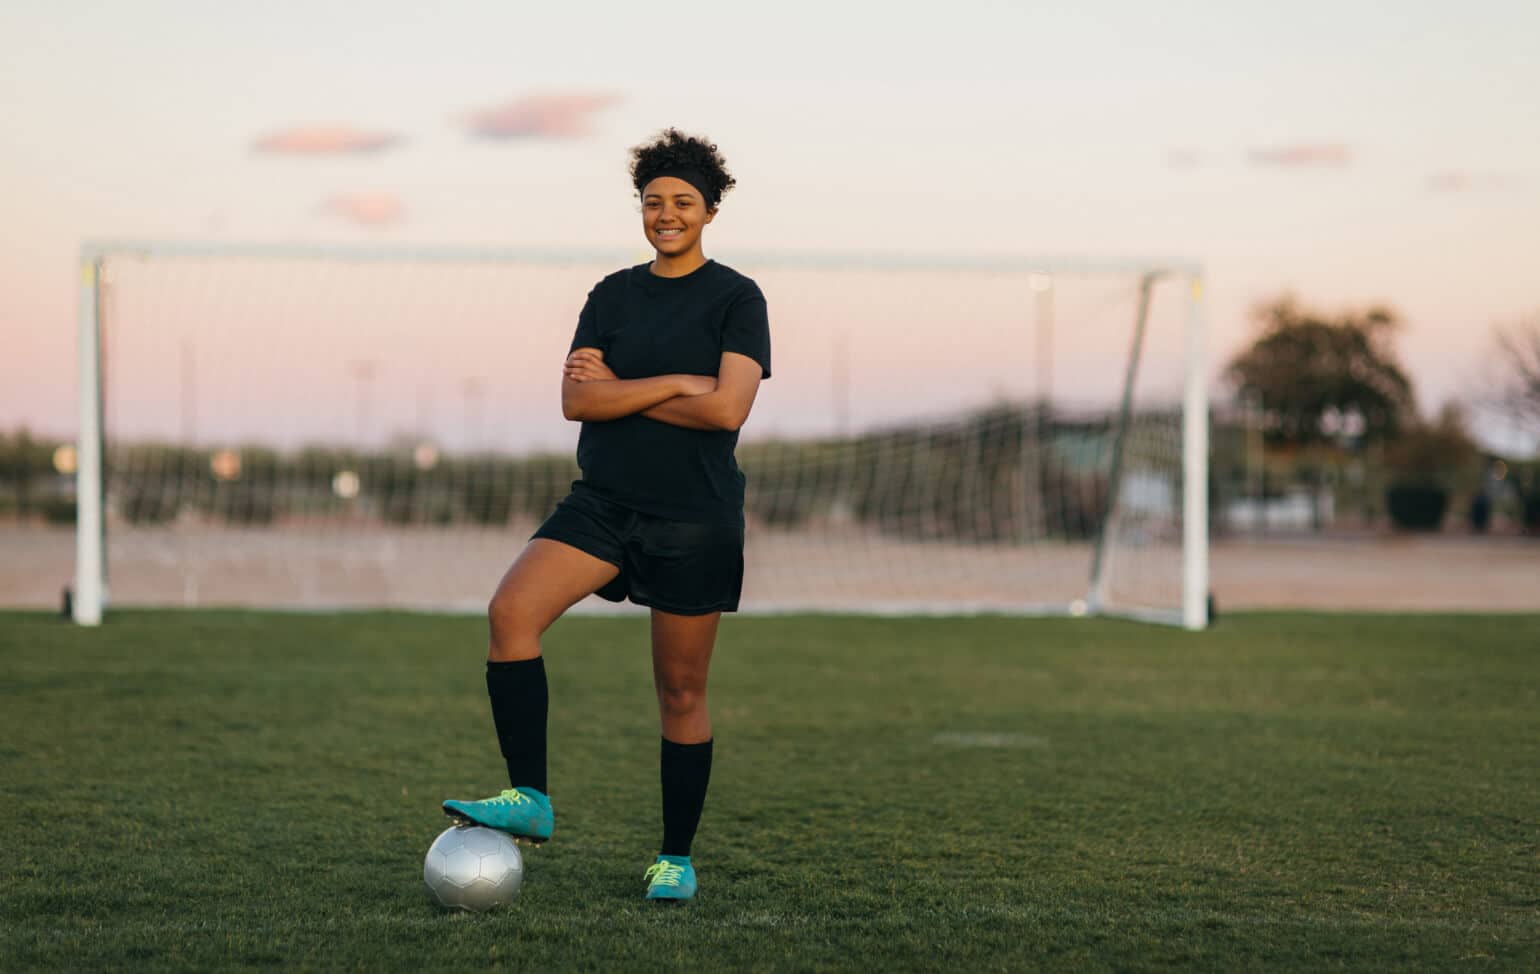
x=473, y=868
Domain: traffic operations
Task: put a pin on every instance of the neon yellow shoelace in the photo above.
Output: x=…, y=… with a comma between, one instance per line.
x=511, y=797
x=664, y=874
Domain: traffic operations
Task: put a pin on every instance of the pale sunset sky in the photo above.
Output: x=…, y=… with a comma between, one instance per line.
x=1348, y=152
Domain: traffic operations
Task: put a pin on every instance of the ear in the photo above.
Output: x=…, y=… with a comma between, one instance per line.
x=711, y=213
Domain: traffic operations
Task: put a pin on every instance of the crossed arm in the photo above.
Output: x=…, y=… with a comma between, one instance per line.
x=590, y=391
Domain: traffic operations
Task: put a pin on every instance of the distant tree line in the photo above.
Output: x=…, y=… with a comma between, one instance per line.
x=1003, y=474
x=1007, y=473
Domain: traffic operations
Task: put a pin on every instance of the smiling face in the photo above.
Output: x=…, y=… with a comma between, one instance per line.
x=673, y=214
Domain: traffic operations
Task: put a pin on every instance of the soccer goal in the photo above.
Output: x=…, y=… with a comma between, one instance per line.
x=332, y=427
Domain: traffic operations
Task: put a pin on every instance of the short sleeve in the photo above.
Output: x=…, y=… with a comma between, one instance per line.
x=587, y=334
x=747, y=329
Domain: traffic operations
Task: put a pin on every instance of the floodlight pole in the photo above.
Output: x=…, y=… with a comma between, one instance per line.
x=840, y=376
x=86, y=607
x=1042, y=289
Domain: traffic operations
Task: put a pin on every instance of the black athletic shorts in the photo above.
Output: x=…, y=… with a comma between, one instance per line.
x=677, y=566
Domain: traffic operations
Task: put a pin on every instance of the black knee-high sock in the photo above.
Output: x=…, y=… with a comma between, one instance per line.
x=519, y=704
x=686, y=770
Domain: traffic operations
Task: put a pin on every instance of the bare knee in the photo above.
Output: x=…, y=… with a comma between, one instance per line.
x=503, y=611
x=515, y=631
x=681, y=701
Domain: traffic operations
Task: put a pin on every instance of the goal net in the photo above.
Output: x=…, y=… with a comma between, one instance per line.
x=354, y=427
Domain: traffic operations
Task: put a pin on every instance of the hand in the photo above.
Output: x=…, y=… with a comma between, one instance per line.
x=697, y=385
x=586, y=365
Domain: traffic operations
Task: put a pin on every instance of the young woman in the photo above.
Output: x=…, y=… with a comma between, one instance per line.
x=662, y=372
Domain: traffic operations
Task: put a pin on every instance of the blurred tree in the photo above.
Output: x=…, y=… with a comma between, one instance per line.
x=1438, y=454
x=1323, y=378
x=23, y=461
x=1519, y=386
x=1429, y=464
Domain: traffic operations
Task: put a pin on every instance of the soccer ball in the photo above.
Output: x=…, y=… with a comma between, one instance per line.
x=473, y=868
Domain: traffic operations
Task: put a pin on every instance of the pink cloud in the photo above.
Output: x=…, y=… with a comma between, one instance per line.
x=366, y=209
x=539, y=116
x=1469, y=181
x=324, y=140
x=1303, y=154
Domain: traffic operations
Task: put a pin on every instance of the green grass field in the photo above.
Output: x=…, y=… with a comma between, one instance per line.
x=223, y=789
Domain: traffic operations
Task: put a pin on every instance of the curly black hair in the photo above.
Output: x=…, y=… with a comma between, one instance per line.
x=672, y=148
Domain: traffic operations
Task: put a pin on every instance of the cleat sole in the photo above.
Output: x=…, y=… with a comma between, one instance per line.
x=462, y=820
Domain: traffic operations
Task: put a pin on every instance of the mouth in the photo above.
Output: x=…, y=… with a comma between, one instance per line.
x=668, y=234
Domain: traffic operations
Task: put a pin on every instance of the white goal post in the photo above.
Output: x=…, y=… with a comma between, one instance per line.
x=267, y=425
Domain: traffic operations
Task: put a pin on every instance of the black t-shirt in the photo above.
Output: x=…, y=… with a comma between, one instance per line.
x=648, y=325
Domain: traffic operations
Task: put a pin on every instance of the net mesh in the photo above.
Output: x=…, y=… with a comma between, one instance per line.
x=291, y=431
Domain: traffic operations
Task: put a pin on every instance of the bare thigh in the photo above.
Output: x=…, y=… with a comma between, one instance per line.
x=547, y=579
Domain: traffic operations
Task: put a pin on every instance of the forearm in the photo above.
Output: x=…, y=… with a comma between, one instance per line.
x=607, y=399
x=713, y=411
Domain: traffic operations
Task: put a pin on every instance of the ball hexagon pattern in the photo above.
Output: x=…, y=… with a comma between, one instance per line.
x=473, y=868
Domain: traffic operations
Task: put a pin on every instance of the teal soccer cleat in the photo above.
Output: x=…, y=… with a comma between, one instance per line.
x=524, y=813
x=670, y=878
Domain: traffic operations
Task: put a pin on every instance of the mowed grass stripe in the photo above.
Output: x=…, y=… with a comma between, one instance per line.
x=230, y=789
